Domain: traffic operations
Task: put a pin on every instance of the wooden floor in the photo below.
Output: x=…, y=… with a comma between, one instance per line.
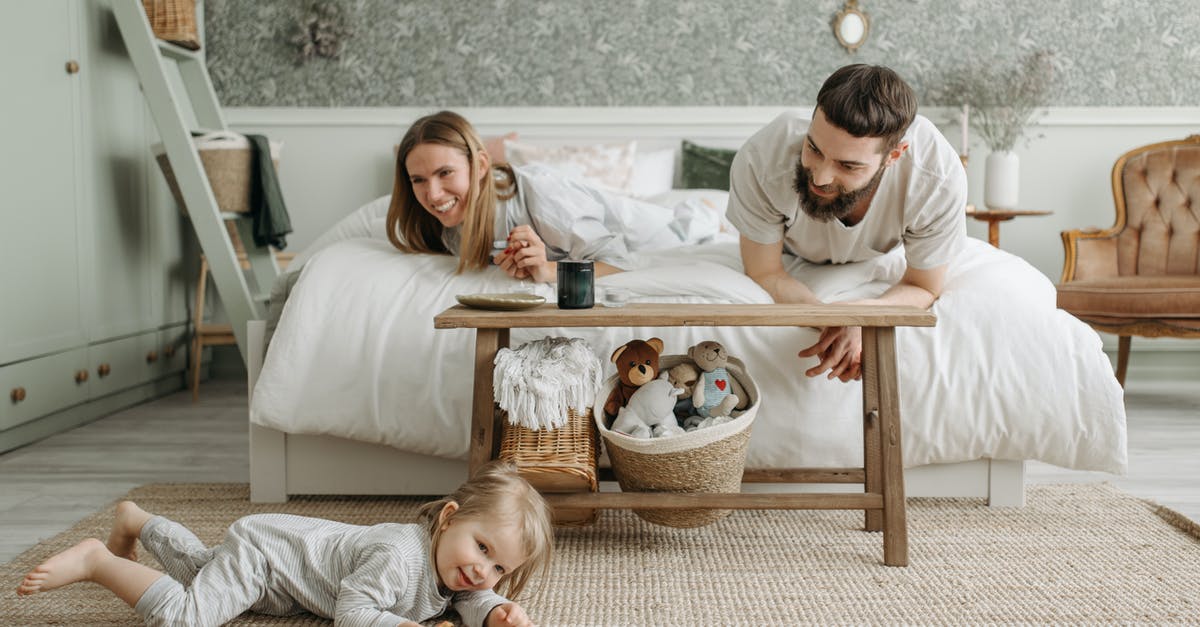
x=48, y=486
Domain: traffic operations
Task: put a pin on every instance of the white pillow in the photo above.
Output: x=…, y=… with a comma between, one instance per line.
x=653, y=173
x=369, y=220
x=607, y=166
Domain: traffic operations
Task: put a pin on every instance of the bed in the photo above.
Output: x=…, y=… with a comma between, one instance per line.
x=359, y=394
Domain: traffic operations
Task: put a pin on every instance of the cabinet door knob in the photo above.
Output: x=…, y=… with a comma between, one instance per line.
x=151, y=357
x=17, y=395
x=169, y=351
x=72, y=67
x=81, y=376
x=103, y=370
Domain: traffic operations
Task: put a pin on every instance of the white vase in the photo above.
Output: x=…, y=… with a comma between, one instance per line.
x=1002, y=182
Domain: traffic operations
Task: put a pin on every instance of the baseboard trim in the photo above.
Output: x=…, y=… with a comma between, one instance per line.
x=1173, y=364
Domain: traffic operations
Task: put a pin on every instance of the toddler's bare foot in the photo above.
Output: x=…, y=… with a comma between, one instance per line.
x=127, y=526
x=74, y=564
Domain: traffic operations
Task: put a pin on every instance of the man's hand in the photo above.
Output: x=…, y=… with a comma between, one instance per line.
x=840, y=352
x=840, y=348
x=508, y=615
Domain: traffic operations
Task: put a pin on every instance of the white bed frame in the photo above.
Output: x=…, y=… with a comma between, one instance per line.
x=283, y=464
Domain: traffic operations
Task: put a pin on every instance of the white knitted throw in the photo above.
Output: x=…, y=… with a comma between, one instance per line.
x=538, y=381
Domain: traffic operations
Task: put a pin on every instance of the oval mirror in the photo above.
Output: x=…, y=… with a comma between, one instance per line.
x=851, y=26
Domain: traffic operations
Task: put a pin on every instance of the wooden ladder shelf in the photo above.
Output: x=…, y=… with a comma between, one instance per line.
x=151, y=59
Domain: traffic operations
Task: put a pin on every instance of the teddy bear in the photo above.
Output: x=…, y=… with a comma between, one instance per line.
x=684, y=375
x=650, y=410
x=716, y=392
x=637, y=364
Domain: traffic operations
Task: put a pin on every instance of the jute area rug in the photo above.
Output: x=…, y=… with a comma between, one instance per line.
x=1075, y=554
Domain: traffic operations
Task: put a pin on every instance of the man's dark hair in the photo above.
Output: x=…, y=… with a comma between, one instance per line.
x=868, y=101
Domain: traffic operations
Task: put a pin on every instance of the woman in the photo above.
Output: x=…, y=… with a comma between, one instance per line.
x=449, y=198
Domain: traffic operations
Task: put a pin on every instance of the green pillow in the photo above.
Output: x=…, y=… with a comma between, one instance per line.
x=705, y=167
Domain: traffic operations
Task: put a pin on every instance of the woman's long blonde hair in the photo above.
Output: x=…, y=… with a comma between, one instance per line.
x=412, y=229
x=496, y=494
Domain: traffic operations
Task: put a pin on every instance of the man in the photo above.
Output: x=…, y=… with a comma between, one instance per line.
x=865, y=175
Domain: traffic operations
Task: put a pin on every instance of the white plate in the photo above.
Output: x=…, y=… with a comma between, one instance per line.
x=502, y=302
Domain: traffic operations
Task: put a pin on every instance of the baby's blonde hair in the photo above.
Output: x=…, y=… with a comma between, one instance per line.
x=496, y=494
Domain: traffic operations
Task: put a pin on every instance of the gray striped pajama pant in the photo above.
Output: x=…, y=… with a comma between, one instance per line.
x=207, y=586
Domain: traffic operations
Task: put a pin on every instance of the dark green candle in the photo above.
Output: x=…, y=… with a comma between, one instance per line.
x=576, y=284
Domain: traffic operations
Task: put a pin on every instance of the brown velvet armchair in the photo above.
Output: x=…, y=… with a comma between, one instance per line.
x=1141, y=276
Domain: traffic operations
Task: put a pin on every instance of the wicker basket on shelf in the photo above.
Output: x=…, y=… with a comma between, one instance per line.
x=228, y=161
x=174, y=21
x=559, y=460
x=706, y=460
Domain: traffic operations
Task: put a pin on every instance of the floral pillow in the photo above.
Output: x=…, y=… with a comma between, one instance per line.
x=495, y=147
x=607, y=166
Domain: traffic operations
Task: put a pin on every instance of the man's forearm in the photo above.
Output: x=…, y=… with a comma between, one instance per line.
x=901, y=294
x=784, y=288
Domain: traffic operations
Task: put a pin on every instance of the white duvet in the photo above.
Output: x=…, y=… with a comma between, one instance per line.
x=1003, y=375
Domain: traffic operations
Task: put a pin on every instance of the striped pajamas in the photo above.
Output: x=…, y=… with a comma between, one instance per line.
x=280, y=564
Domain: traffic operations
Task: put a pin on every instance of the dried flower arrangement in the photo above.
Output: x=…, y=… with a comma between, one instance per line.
x=320, y=31
x=1004, y=101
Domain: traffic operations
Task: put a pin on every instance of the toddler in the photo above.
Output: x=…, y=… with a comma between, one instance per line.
x=493, y=531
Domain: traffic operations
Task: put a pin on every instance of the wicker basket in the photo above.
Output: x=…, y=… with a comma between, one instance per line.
x=229, y=163
x=559, y=460
x=174, y=21
x=706, y=460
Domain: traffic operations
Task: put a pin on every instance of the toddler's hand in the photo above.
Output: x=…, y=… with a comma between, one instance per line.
x=508, y=615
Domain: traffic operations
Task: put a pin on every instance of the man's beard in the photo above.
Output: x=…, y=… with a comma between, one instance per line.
x=836, y=208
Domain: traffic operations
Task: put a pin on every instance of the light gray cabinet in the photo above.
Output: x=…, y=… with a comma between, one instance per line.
x=119, y=277
x=94, y=257
x=40, y=253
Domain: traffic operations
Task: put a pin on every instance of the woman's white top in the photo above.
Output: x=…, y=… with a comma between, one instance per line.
x=577, y=221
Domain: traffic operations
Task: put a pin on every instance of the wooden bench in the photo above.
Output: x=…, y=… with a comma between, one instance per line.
x=882, y=474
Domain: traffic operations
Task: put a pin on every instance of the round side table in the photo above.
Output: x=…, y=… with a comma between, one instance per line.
x=995, y=216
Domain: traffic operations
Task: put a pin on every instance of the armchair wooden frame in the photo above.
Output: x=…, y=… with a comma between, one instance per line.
x=1076, y=239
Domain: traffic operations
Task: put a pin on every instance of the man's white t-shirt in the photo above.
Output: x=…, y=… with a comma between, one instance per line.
x=920, y=201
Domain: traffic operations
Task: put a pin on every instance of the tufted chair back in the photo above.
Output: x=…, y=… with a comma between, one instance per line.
x=1160, y=188
x=1142, y=275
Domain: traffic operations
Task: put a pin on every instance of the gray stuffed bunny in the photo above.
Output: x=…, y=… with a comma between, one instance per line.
x=650, y=411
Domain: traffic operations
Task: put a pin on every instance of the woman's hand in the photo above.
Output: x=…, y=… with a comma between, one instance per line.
x=508, y=615
x=525, y=256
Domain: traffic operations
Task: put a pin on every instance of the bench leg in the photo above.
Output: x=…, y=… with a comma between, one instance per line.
x=485, y=431
x=872, y=462
x=895, y=526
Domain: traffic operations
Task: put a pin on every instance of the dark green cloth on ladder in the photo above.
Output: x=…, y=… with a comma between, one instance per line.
x=270, y=214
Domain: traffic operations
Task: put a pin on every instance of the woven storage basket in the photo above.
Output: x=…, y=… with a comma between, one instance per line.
x=229, y=163
x=705, y=460
x=174, y=21
x=559, y=460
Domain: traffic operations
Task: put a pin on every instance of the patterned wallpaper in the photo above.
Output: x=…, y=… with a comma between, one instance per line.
x=688, y=52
